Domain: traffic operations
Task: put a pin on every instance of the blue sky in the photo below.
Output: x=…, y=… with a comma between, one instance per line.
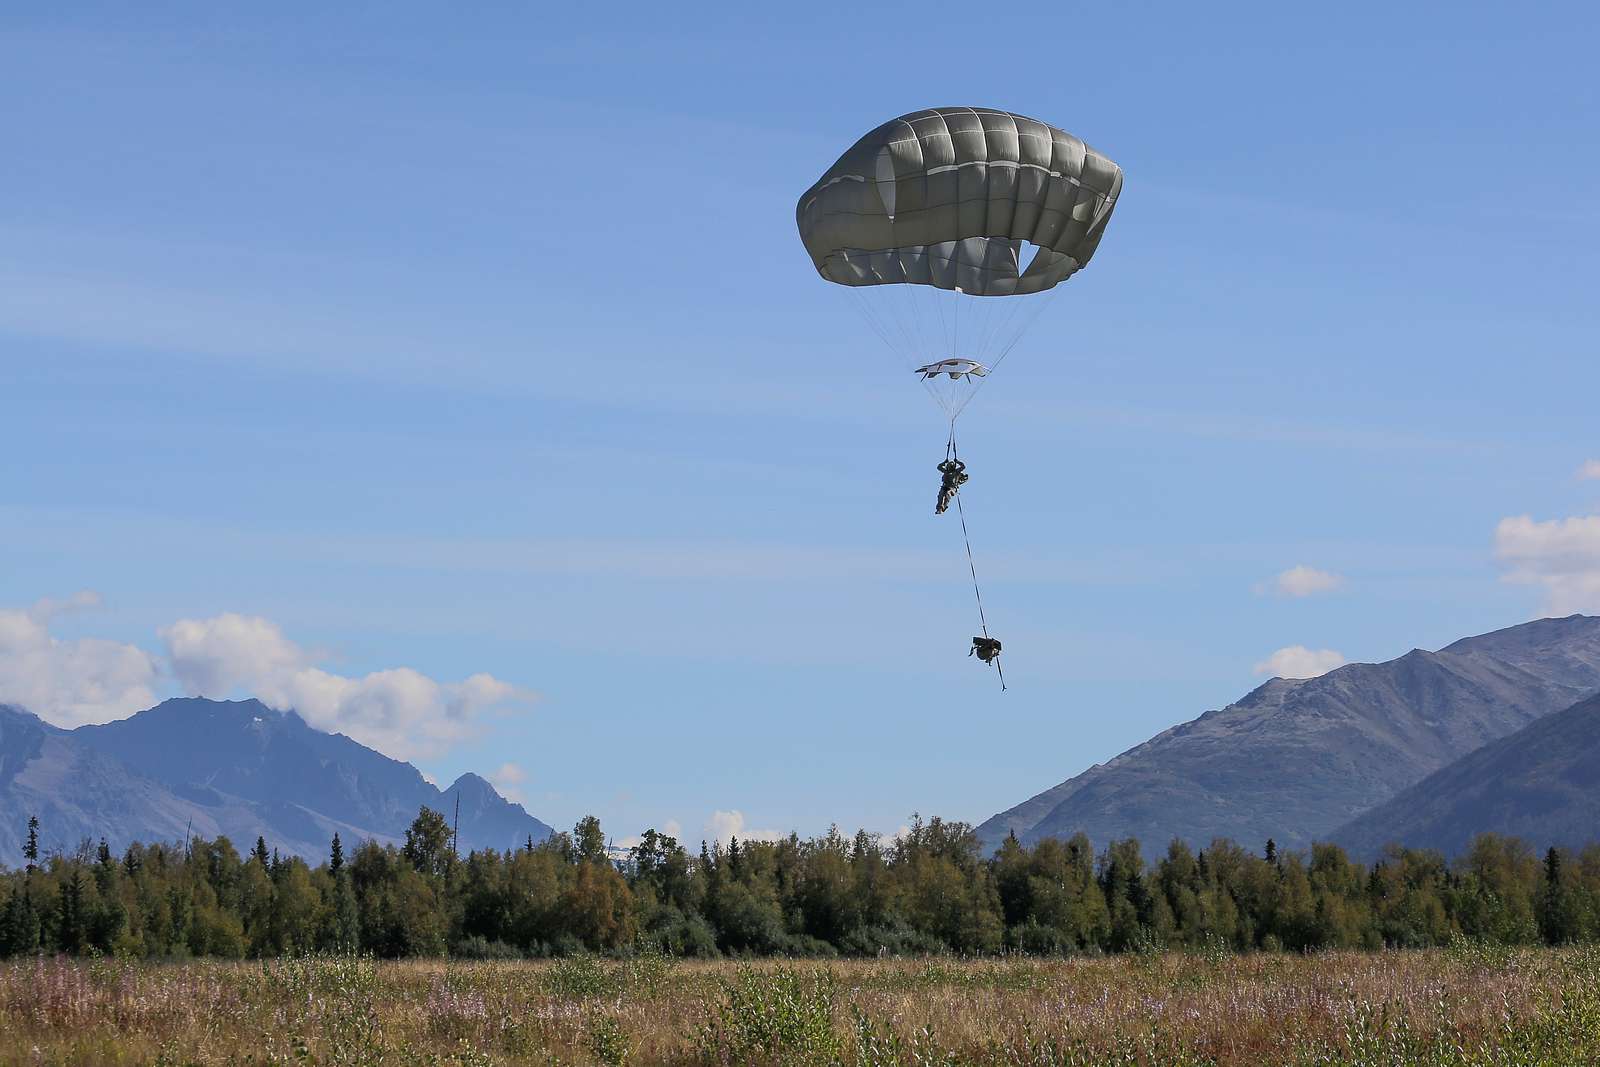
x=484, y=343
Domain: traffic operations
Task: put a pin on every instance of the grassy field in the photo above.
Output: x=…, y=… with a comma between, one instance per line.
x=1468, y=1005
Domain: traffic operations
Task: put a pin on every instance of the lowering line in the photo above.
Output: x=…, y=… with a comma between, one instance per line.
x=950, y=453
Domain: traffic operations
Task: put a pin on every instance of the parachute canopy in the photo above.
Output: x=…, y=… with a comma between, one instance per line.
x=948, y=196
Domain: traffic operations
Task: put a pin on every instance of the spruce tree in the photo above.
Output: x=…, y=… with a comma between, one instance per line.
x=260, y=853
x=19, y=924
x=1551, y=925
x=30, y=848
x=346, y=916
x=72, y=929
x=11, y=924
x=336, y=854
x=105, y=872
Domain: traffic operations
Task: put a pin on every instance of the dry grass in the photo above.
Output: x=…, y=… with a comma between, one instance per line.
x=1456, y=1007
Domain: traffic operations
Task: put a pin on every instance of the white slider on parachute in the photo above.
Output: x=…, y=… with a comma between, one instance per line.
x=955, y=368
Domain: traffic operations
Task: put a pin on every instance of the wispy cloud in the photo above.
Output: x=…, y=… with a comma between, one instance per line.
x=1590, y=470
x=509, y=779
x=652, y=559
x=1301, y=581
x=1243, y=426
x=304, y=333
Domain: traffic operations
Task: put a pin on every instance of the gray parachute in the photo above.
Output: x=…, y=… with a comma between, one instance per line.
x=946, y=198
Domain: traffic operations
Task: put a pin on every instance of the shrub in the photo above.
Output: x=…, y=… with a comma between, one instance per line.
x=1036, y=939
x=898, y=940
x=780, y=1015
x=479, y=948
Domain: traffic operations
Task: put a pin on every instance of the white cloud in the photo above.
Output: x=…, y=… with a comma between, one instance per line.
x=45, y=609
x=1298, y=661
x=509, y=774
x=672, y=828
x=400, y=711
x=1590, y=469
x=213, y=657
x=1560, y=556
x=724, y=825
x=508, y=779
x=74, y=682
x=1300, y=581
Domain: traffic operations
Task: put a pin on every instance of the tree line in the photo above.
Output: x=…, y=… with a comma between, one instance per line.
x=930, y=890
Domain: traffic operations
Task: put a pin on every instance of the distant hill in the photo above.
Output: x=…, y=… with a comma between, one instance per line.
x=1542, y=784
x=1295, y=759
x=225, y=767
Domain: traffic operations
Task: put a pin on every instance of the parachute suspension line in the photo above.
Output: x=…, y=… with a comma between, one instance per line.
x=892, y=313
x=922, y=351
x=955, y=328
x=1040, y=303
x=904, y=316
x=878, y=321
x=906, y=319
x=950, y=453
x=907, y=349
x=986, y=331
x=872, y=319
x=998, y=324
x=922, y=307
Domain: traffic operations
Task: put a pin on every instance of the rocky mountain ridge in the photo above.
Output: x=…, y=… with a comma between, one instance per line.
x=1296, y=759
x=239, y=768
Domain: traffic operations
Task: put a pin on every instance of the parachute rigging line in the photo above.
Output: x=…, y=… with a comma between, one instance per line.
x=950, y=453
x=1010, y=340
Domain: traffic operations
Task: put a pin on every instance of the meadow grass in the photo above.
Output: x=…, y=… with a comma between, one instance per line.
x=1463, y=1006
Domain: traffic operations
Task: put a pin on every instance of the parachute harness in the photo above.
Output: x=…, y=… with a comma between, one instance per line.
x=950, y=454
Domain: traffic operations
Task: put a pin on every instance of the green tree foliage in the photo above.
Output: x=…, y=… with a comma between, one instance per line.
x=428, y=844
x=929, y=890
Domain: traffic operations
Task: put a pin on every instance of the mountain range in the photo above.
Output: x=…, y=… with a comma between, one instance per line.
x=1496, y=732
x=239, y=768
x=1541, y=784
x=1295, y=760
